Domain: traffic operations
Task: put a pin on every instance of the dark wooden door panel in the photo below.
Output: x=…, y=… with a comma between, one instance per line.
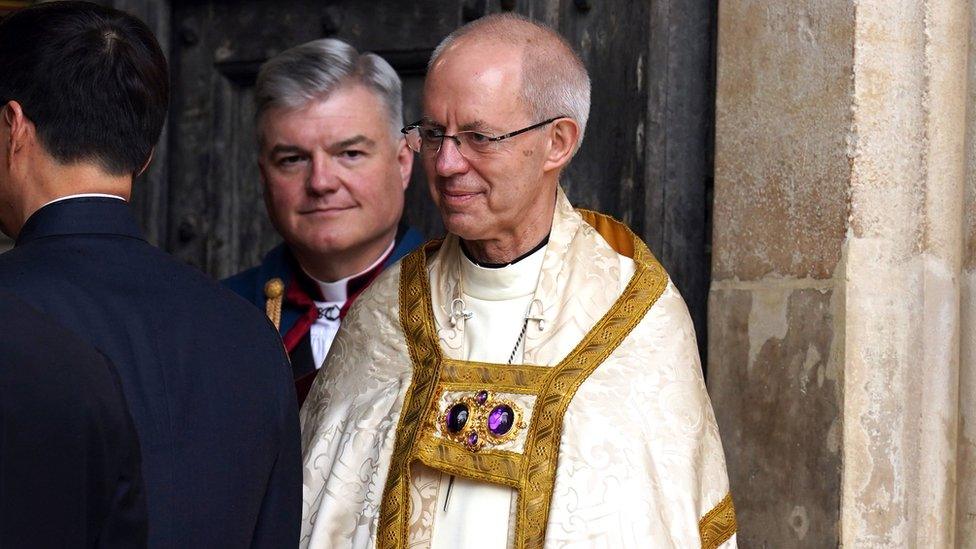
x=218, y=220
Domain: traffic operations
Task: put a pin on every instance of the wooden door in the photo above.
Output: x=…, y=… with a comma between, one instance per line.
x=646, y=157
x=217, y=216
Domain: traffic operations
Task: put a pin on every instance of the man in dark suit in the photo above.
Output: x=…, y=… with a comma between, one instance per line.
x=334, y=167
x=83, y=96
x=69, y=455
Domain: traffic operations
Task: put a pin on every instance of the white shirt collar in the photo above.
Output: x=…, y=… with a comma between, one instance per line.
x=84, y=195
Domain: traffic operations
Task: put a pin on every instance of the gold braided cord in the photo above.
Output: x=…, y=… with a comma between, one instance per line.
x=533, y=472
x=718, y=525
x=274, y=292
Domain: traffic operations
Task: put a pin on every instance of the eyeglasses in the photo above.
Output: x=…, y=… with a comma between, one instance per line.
x=427, y=140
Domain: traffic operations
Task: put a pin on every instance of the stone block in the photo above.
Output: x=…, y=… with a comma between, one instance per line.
x=783, y=120
x=773, y=379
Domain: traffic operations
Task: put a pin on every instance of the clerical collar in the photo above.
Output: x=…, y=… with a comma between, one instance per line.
x=487, y=265
x=510, y=281
x=340, y=290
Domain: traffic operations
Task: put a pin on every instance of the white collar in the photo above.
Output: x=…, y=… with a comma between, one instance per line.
x=335, y=292
x=509, y=282
x=84, y=195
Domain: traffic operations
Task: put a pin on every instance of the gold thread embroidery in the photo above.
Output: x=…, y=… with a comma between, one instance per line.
x=424, y=348
x=545, y=431
x=494, y=466
x=533, y=472
x=718, y=525
x=526, y=377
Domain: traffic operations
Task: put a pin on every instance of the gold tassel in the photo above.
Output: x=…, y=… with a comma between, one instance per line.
x=274, y=290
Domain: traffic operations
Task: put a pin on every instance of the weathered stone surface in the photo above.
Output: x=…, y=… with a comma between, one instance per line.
x=891, y=151
x=901, y=397
x=966, y=489
x=783, y=115
x=774, y=381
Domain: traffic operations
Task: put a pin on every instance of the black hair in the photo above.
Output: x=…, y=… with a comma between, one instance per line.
x=92, y=79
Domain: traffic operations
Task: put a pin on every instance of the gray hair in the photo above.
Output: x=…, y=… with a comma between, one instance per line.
x=314, y=70
x=555, y=81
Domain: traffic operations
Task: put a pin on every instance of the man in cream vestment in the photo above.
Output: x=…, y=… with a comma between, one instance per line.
x=531, y=380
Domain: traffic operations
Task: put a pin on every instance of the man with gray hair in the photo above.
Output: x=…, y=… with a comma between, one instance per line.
x=533, y=380
x=334, y=168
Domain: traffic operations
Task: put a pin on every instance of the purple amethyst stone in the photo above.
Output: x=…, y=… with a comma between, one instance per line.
x=481, y=397
x=472, y=439
x=457, y=417
x=501, y=419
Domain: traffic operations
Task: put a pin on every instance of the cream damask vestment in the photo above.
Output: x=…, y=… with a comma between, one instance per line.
x=603, y=435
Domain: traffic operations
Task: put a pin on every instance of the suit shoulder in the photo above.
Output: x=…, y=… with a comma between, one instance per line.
x=243, y=282
x=211, y=301
x=55, y=370
x=249, y=283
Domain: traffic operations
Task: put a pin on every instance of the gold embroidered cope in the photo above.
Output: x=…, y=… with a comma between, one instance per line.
x=533, y=471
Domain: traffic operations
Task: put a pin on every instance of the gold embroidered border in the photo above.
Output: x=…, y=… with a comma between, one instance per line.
x=525, y=378
x=537, y=466
x=494, y=466
x=425, y=354
x=545, y=430
x=718, y=525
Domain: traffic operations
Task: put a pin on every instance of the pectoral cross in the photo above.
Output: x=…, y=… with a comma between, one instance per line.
x=458, y=311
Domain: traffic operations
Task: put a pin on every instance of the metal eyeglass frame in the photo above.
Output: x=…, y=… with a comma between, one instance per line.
x=457, y=141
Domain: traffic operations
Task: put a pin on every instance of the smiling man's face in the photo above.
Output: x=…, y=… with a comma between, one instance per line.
x=334, y=175
x=481, y=198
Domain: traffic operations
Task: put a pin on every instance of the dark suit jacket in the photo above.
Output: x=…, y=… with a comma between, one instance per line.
x=204, y=373
x=69, y=455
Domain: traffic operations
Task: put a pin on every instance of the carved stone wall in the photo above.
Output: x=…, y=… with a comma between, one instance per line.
x=841, y=309
x=782, y=172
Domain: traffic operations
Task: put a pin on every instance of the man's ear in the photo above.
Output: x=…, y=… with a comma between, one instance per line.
x=142, y=170
x=19, y=129
x=405, y=160
x=563, y=137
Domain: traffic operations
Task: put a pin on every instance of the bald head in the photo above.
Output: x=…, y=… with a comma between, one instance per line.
x=554, y=81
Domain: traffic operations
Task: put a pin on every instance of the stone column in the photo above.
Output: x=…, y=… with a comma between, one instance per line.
x=839, y=327
x=966, y=492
